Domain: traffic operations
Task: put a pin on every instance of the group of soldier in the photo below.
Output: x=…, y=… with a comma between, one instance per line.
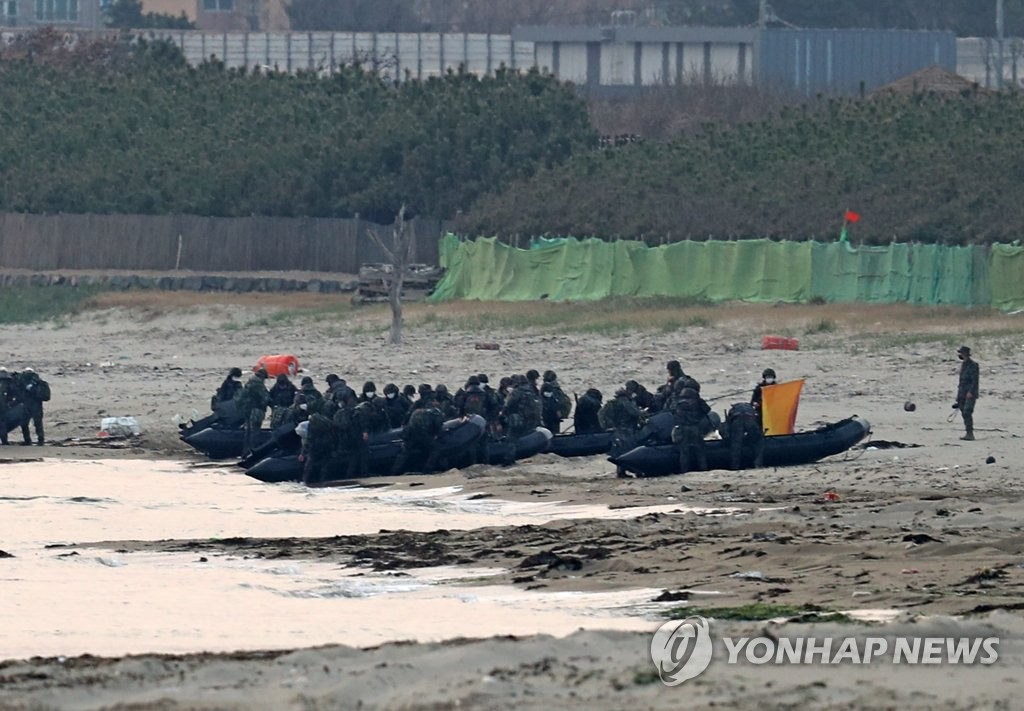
x=340, y=421
x=27, y=389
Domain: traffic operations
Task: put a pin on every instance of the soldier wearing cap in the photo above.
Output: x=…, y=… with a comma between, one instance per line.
x=967, y=390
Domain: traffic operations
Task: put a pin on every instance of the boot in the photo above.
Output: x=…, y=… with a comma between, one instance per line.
x=969, y=437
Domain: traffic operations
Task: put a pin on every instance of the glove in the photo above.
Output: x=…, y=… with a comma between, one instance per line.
x=956, y=406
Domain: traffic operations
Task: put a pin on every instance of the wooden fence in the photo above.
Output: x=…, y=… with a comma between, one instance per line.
x=204, y=244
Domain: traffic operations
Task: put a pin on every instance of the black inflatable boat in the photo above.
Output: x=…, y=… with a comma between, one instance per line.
x=657, y=430
x=458, y=447
x=780, y=450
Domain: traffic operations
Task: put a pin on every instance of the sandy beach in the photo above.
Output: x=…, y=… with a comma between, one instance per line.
x=929, y=531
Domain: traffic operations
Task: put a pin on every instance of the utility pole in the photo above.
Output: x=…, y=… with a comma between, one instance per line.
x=999, y=44
x=762, y=13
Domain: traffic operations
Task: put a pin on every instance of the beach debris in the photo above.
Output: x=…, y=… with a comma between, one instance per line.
x=831, y=496
x=672, y=596
x=990, y=460
x=118, y=428
x=779, y=343
x=919, y=538
x=5, y=554
x=910, y=571
x=487, y=346
x=909, y=406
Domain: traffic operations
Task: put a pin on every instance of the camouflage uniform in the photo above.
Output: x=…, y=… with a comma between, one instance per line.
x=314, y=399
x=33, y=392
x=282, y=396
x=419, y=440
x=396, y=405
x=252, y=402
x=352, y=436
x=643, y=399
x=522, y=411
x=690, y=412
x=620, y=414
x=228, y=389
x=585, y=419
x=967, y=390
x=445, y=402
x=318, y=449
x=555, y=405
x=743, y=429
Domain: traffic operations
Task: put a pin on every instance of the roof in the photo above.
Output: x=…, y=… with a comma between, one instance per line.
x=930, y=79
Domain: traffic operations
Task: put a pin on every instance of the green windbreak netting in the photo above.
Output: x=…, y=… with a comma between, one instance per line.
x=914, y=273
x=746, y=270
x=571, y=269
x=1006, y=277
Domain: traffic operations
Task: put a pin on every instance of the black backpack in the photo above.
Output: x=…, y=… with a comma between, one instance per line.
x=43, y=391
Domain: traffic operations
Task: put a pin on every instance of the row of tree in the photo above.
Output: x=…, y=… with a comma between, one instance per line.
x=921, y=167
x=108, y=127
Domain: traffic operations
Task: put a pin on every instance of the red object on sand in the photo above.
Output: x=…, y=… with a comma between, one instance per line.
x=278, y=364
x=779, y=343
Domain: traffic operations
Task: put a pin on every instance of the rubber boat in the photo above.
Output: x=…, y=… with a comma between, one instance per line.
x=779, y=450
x=657, y=430
x=459, y=447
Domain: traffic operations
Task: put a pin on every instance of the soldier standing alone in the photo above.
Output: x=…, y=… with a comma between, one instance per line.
x=967, y=390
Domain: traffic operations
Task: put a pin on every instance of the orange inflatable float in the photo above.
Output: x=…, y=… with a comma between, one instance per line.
x=278, y=364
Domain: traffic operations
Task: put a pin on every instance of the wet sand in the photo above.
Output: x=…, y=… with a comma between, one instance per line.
x=931, y=530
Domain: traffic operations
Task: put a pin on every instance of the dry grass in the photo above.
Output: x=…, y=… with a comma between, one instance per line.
x=896, y=322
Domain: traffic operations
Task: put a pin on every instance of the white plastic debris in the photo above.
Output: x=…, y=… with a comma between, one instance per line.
x=119, y=427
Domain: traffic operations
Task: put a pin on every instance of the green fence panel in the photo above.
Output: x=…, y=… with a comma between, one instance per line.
x=1006, y=276
x=745, y=270
x=570, y=269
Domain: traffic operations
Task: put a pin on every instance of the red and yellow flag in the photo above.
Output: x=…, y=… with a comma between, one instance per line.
x=778, y=407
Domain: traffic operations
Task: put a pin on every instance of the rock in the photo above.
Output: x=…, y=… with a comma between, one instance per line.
x=909, y=406
x=990, y=460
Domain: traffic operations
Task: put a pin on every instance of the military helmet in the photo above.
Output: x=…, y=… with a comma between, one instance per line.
x=532, y=374
x=483, y=378
x=262, y=373
x=235, y=373
x=595, y=393
x=674, y=368
x=332, y=378
x=424, y=389
x=409, y=390
x=549, y=376
x=369, y=387
x=390, y=388
x=768, y=373
x=689, y=394
x=473, y=380
x=306, y=380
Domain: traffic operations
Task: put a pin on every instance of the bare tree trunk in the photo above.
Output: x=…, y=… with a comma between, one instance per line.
x=398, y=256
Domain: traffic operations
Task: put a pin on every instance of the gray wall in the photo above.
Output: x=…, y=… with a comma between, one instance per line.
x=208, y=244
x=837, y=61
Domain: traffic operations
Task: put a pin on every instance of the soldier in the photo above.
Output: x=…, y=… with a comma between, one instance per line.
x=375, y=414
x=313, y=397
x=33, y=391
x=228, y=389
x=351, y=430
x=690, y=412
x=522, y=411
x=252, y=402
x=585, y=419
x=967, y=390
x=642, y=398
x=426, y=397
x=6, y=392
x=555, y=404
x=767, y=378
x=318, y=449
x=445, y=402
x=419, y=439
x=282, y=396
x=532, y=376
x=743, y=429
x=620, y=414
x=396, y=406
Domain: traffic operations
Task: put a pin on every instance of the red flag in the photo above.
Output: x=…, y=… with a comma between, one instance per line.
x=851, y=216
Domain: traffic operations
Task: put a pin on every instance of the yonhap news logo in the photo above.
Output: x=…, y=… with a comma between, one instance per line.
x=682, y=650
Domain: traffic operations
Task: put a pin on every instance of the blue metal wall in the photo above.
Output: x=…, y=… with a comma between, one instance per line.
x=837, y=61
